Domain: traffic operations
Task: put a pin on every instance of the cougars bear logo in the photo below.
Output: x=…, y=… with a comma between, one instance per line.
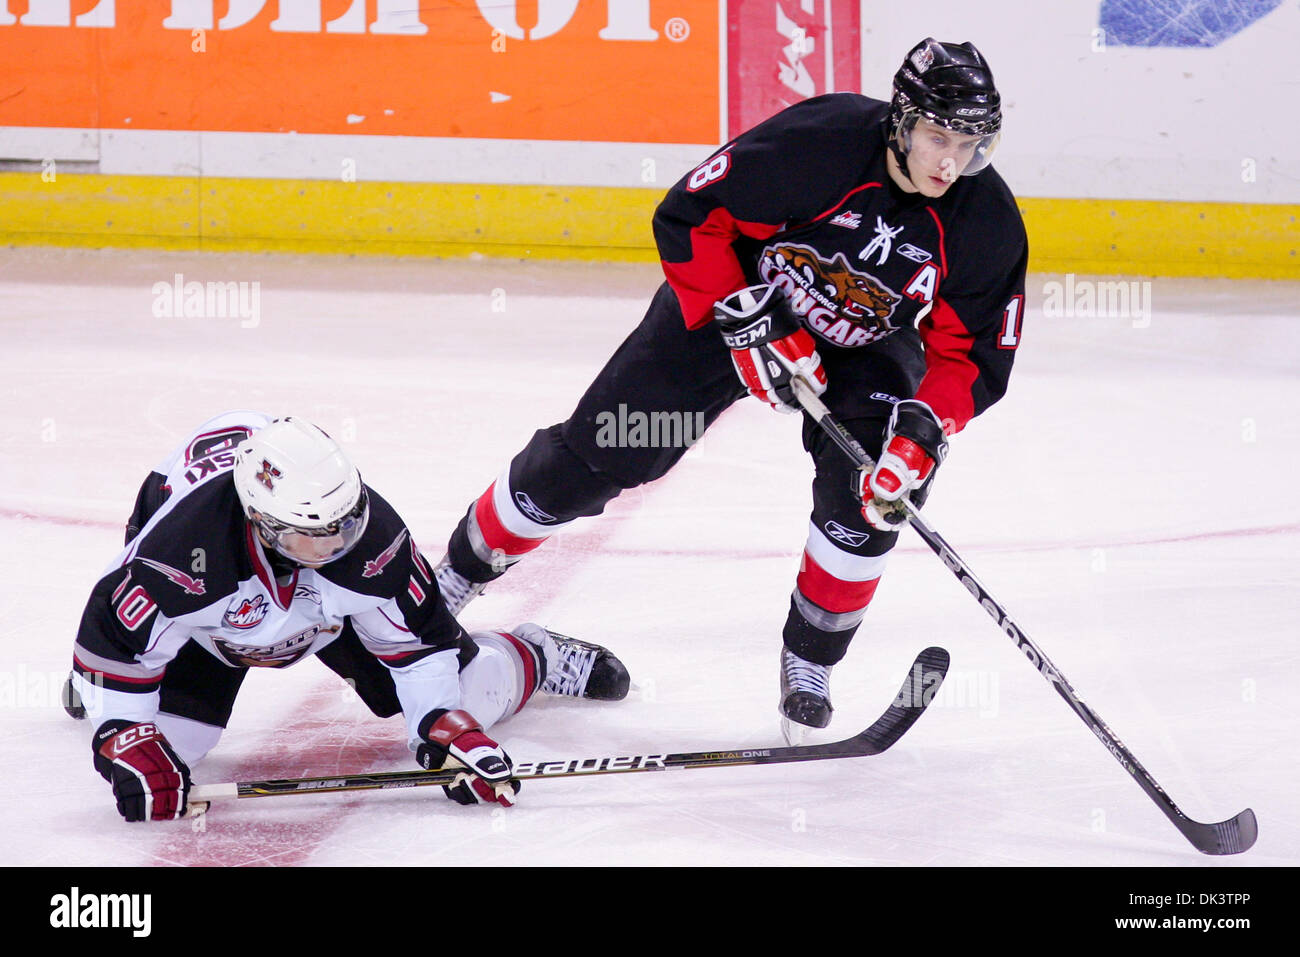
x=839, y=303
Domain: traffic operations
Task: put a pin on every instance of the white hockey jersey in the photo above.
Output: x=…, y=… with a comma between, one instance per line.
x=196, y=572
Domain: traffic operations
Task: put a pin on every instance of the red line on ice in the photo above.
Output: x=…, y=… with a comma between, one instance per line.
x=600, y=531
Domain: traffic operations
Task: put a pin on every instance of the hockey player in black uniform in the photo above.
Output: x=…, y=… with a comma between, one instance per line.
x=255, y=545
x=864, y=246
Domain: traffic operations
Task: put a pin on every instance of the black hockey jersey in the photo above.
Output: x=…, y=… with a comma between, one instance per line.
x=804, y=200
x=196, y=571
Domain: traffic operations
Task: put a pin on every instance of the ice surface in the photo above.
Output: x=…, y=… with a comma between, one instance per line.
x=1132, y=501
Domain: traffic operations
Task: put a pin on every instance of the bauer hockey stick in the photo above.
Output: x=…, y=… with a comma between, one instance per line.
x=918, y=690
x=1233, y=836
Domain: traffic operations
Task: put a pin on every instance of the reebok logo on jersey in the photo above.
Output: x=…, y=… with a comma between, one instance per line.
x=844, y=535
x=376, y=565
x=839, y=303
x=246, y=612
x=914, y=253
x=529, y=508
x=192, y=586
x=848, y=220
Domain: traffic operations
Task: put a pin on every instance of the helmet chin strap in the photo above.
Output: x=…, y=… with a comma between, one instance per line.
x=899, y=156
x=890, y=132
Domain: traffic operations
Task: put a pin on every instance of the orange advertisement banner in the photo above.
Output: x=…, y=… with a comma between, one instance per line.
x=597, y=70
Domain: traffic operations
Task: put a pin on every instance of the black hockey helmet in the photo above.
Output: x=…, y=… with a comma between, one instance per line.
x=951, y=85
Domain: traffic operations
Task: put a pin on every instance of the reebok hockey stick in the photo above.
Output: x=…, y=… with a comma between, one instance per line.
x=918, y=690
x=1233, y=836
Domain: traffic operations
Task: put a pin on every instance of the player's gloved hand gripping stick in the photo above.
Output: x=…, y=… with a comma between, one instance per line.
x=150, y=782
x=1233, y=836
x=456, y=735
x=914, y=447
x=769, y=346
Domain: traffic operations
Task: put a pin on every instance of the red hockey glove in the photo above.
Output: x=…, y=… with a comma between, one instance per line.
x=149, y=781
x=914, y=446
x=768, y=345
x=457, y=735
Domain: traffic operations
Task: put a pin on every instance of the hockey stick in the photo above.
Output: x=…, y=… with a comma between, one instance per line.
x=1233, y=836
x=923, y=680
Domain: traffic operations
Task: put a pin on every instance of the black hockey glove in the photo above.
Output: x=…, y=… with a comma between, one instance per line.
x=150, y=782
x=769, y=346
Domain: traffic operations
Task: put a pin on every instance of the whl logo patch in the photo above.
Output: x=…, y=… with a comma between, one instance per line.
x=848, y=220
x=246, y=612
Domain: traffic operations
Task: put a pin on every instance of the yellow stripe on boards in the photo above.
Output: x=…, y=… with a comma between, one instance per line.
x=1131, y=237
x=1145, y=237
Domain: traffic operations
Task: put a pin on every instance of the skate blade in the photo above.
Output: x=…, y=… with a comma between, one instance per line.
x=795, y=734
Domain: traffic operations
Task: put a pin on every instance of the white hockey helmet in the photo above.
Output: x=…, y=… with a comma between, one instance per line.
x=300, y=491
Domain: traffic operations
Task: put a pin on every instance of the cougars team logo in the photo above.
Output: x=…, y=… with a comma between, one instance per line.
x=836, y=301
x=246, y=612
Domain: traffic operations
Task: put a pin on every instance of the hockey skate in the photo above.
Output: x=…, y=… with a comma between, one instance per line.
x=805, y=697
x=72, y=702
x=577, y=669
x=457, y=591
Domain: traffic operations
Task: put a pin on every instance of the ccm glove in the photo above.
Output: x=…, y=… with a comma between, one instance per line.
x=913, y=448
x=769, y=346
x=456, y=735
x=150, y=782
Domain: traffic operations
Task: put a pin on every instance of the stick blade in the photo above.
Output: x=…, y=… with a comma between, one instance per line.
x=919, y=688
x=1233, y=836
